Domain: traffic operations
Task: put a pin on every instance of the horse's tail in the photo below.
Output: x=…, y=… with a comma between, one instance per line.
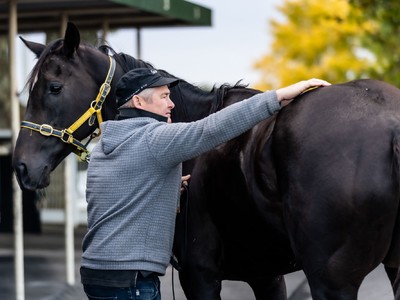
x=392, y=258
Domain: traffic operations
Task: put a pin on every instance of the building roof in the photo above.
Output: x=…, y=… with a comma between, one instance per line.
x=46, y=15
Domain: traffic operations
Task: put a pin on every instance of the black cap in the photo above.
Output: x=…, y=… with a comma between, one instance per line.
x=136, y=80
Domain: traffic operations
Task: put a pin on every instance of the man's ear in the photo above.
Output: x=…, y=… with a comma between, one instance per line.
x=137, y=102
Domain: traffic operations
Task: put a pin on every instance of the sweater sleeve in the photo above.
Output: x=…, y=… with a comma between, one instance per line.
x=177, y=142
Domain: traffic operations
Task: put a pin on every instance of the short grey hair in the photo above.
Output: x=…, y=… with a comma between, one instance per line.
x=145, y=94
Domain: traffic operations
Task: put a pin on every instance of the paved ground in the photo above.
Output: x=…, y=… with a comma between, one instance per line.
x=45, y=274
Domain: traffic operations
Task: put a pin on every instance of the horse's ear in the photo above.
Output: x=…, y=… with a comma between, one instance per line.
x=36, y=48
x=71, y=40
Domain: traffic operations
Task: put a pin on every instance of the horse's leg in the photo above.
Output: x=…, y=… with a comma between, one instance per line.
x=336, y=260
x=200, y=255
x=323, y=288
x=336, y=251
x=200, y=285
x=393, y=275
x=336, y=246
x=274, y=289
x=199, y=276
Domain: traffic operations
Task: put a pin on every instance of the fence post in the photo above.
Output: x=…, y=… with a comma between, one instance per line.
x=17, y=193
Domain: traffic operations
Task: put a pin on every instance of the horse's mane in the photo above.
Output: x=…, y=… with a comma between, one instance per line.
x=224, y=88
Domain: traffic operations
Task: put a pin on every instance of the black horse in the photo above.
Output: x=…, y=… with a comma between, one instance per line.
x=250, y=200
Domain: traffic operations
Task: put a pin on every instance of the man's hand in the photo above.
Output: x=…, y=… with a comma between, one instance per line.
x=291, y=91
x=185, y=183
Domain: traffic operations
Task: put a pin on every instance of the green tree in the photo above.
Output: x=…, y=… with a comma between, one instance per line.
x=384, y=41
x=315, y=39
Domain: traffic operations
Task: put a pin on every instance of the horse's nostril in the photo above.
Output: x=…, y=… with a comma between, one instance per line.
x=21, y=173
x=20, y=169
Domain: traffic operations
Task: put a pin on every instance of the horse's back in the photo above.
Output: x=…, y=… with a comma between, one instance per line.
x=334, y=149
x=344, y=131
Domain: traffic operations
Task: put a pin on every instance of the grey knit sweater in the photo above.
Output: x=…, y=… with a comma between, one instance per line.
x=134, y=177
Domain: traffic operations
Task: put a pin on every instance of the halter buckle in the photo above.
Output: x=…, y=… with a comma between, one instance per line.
x=93, y=105
x=46, y=130
x=84, y=156
x=66, y=137
x=105, y=89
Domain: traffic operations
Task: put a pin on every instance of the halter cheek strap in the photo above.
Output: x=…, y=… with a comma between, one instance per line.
x=66, y=135
x=97, y=104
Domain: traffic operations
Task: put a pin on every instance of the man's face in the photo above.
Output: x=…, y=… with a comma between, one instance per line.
x=160, y=103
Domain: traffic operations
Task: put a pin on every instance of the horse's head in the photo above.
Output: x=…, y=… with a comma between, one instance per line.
x=65, y=83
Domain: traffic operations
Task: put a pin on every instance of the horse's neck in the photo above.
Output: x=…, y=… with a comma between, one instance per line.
x=192, y=103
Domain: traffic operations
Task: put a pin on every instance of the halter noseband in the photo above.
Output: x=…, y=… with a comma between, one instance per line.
x=95, y=107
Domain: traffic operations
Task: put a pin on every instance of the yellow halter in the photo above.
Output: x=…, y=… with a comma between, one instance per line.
x=66, y=135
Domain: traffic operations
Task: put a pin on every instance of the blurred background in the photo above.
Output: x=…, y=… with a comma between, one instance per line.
x=265, y=43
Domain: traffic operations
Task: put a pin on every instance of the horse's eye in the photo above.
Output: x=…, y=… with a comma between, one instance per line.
x=55, y=88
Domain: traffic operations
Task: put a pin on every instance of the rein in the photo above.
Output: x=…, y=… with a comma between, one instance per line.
x=66, y=135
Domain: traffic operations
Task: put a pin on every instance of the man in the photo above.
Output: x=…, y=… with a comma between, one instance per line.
x=134, y=179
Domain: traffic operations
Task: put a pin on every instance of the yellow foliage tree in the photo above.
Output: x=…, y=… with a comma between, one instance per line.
x=315, y=39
